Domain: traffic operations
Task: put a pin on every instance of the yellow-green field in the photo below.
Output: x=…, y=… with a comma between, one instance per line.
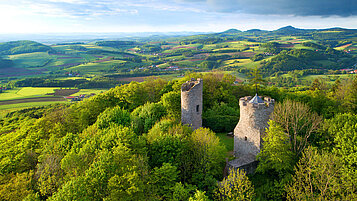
x=242, y=63
x=26, y=92
x=25, y=97
x=89, y=91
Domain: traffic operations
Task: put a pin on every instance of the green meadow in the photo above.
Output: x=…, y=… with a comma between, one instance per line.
x=26, y=92
x=89, y=91
x=28, y=60
x=99, y=68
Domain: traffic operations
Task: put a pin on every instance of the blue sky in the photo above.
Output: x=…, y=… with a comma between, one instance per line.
x=47, y=16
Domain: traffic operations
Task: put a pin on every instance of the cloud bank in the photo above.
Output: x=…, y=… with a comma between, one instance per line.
x=343, y=8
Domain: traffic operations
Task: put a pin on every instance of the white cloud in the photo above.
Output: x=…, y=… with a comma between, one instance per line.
x=68, y=1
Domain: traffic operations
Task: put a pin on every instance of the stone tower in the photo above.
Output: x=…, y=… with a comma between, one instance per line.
x=254, y=115
x=191, y=103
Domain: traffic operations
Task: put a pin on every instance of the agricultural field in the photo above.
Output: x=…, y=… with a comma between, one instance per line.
x=238, y=63
x=26, y=92
x=96, y=67
x=25, y=97
x=31, y=60
x=88, y=91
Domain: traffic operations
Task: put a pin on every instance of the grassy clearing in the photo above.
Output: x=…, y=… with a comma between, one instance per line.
x=240, y=76
x=226, y=140
x=26, y=92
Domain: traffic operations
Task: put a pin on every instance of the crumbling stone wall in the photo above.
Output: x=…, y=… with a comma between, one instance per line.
x=191, y=103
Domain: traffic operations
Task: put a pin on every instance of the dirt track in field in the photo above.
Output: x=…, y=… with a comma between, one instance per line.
x=29, y=100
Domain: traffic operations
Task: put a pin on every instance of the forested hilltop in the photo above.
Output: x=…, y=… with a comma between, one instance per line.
x=128, y=144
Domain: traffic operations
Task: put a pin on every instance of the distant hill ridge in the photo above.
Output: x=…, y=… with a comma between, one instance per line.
x=288, y=30
x=23, y=46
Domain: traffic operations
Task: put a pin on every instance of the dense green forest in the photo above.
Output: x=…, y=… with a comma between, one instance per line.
x=128, y=144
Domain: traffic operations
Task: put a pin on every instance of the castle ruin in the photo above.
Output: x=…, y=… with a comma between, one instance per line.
x=191, y=103
x=254, y=115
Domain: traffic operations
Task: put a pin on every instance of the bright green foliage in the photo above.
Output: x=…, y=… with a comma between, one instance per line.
x=16, y=154
x=277, y=154
x=163, y=180
x=159, y=129
x=168, y=143
x=83, y=154
x=132, y=95
x=145, y=116
x=221, y=117
x=199, y=196
x=32, y=197
x=182, y=192
x=217, y=88
x=320, y=177
x=208, y=152
x=345, y=93
x=85, y=113
x=15, y=186
x=113, y=115
x=49, y=174
x=344, y=129
x=298, y=122
x=115, y=170
x=129, y=186
x=257, y=78
x=167, y=148
x=172, y=103
x=235, y=187
x=351, y=96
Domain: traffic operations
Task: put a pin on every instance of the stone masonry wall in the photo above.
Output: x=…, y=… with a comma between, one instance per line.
x=251, y=126
x=191, y=103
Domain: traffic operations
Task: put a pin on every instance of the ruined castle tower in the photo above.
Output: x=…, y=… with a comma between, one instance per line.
x=254, y=115
x=191, y=103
